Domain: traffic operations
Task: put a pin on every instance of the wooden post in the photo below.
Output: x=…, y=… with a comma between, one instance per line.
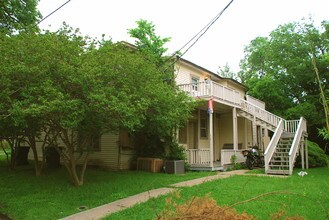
x=306, y=152
x=302, y=152
x=235, y=129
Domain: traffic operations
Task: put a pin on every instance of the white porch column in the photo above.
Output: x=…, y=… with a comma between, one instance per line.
x=198, y=129
x=235, y=129
x=254, y=132
x=245, y=142
x=261, y=143
x=211, y=138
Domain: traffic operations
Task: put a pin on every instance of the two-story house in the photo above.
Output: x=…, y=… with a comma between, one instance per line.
x=229, y=122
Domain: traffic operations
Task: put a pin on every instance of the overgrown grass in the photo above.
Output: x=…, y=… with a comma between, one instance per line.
x=304, y=196
x=51, y=196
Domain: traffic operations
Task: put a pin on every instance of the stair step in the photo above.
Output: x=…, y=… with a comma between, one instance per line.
x=272, y=165
x=282, y=172
x=281, y=154
x=279, y=161
x=284, y=143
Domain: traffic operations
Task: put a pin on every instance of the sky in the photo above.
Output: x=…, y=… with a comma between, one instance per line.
x=180, y=20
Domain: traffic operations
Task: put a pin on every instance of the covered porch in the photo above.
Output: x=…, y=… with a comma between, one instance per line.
x=211, y=139
x=216, y=131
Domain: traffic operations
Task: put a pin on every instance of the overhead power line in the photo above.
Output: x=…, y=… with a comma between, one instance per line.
x=198, y=35
x=53, y=12
x=203, y=30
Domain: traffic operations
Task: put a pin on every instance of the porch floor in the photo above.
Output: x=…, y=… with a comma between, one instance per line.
x=217, y=166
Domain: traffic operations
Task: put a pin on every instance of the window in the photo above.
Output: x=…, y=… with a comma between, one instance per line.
x=203, y=124
x=182, y=137
x=195, y=82
x=89, y=142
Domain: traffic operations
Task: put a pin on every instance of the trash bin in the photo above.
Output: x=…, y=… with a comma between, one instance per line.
x=52, y=157
x=22, y=155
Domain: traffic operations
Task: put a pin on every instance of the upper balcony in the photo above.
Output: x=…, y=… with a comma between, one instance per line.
x=208, y=89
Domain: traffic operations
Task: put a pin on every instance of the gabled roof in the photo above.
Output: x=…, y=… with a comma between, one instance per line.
x=210, y=72
x=178, y=58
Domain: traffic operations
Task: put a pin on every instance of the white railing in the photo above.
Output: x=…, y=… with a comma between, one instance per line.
x=291, y=126
x=198, y=156
x=226, y=155
x=260, y=113
x=301, y=128
x=255, y=101
x=212, y=89
x=272, y=145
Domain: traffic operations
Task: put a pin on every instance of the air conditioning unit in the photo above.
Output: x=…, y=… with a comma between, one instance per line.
x=175, y=166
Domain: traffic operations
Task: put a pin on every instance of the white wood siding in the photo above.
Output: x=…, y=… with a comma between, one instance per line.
x=184, y=74
x=107, y=157
x=109, y=151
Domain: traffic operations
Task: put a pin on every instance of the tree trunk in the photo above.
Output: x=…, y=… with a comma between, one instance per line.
x=4, y=150
x=322, y=94
x=74, y=177
x=37, y=165
x=13, y=154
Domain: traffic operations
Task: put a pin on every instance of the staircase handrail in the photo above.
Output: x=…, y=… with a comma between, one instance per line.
x=272, y=145
x=260, y=113
x=295, y=144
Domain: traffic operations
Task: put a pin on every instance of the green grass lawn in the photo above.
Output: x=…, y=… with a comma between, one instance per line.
x=306, y=196
x=51, y=196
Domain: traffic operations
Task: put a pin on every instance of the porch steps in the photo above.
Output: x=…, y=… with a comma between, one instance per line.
x=279, y=163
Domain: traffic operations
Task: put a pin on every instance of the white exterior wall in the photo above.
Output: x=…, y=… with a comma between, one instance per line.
x=184, y=74
x=108, y=157
x=255, y=101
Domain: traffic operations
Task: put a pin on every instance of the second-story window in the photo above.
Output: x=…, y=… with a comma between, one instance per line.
x=195, y=82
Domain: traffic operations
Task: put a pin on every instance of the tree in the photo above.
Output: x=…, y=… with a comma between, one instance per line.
x=147, y=41
x=279, y=70
x=62, y=89
x=24, y=97
x=170, y=107
x=226, y=72
x=16, y=15
x=39, y=73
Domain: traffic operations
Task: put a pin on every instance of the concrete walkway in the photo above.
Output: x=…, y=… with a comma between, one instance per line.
x=107, y=209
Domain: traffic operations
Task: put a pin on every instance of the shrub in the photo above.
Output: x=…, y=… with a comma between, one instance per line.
x=176, y=152
x=316, y=155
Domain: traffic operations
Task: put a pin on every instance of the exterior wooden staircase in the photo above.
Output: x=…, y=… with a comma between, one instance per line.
x=279, y=163
x=288, y=138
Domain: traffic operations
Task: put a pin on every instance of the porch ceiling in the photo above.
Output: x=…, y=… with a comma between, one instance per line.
x=218, y=107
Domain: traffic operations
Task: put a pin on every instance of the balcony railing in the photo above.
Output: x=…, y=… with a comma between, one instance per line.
x=260, y=113
x=212, y=89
